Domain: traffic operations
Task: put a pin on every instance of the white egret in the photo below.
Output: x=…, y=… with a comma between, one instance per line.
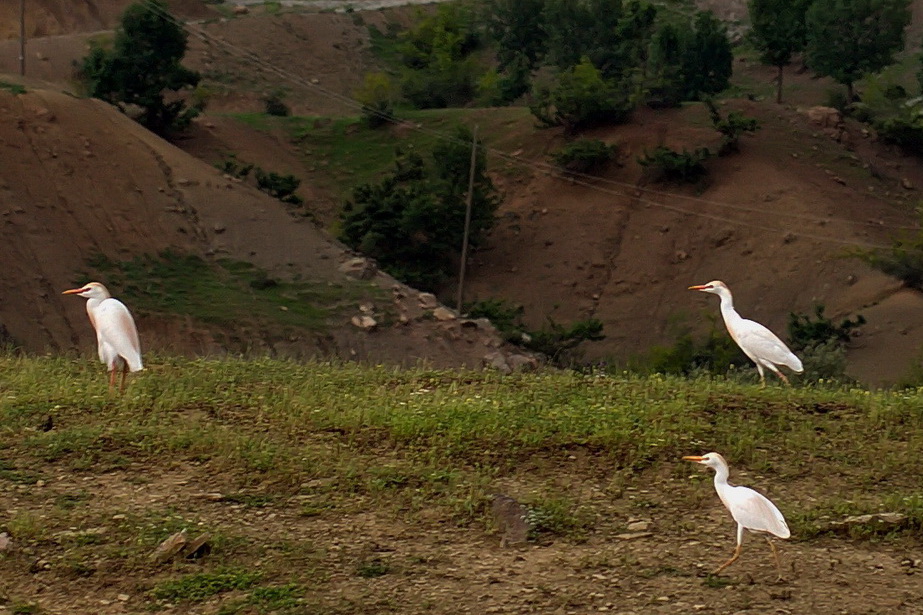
x=116, y=334
x=751, y=510
x=757, y=342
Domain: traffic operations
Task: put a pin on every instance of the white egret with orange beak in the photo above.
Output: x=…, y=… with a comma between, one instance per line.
x=757, y=342
x=751, y=510
x=116, y=334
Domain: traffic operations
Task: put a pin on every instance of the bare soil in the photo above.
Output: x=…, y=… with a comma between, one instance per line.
x=435, y=566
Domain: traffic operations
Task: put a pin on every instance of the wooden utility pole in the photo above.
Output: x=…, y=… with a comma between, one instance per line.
x=22, y=37
x=468, y=203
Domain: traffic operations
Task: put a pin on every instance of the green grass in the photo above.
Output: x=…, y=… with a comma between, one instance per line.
x=345, y=153
x=200, y=586
x=13, y=88
x=421, y=437
x=226, y=293
x=315, y=444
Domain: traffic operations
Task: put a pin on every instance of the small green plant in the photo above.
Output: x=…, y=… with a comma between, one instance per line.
x=903, y=260
x=559, y=342
x=233, y=167
x=584, y=155
x=198, y=587
x=731, y=127
x=715, y=353
x=279, y=186
x=505, y=317
x=377, y=94
x=13, y=88
x=906, y=129
x=554, y=516
x=372, y=568
x=805, y=331
x=277, y=597
x=25, y=608
x=274, y=104
x=667, y=165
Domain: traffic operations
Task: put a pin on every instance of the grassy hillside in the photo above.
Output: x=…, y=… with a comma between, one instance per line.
x=251, y=451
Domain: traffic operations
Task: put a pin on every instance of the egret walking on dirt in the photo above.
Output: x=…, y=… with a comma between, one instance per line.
x=757, y=342
x=116, y=335
x=751, y=510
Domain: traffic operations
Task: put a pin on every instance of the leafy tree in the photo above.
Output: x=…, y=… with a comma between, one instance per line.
x=731, y=127
x=143, y=64
x=847, y=39
x=580, y=98
x=377, y=97
x=518, y=31
x=412, y=221
x=584, y=155
x=778, y=32
x=439, y=70
x=666, y=84
x=707, y=59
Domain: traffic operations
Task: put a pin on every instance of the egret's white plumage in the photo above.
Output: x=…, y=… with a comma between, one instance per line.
x=116, y=334
x=757, y=342
x=751, y=510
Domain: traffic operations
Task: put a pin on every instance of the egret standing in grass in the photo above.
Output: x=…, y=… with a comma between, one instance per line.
x=116, y=334
x=751, y=510
x=757, y=342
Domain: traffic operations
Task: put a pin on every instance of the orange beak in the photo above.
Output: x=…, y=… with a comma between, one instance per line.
x=74, y=291
x=699, y=287
x=693, y=458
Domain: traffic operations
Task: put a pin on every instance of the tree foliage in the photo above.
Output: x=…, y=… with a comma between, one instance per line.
x=580, y=97
x=707, y=58
x=142, y=65
x=847, y=39
x=412, y=221
x=438, y=68
x=731, y=127
x=778, y=32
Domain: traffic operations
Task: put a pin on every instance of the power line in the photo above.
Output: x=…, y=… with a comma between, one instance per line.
x=588, y=181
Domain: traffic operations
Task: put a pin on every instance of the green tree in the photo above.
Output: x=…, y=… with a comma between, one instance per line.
x=517, y=29
x=666, y=86
x=412, y=221
x=439, y=69
x=778, y=32
x=707, y=59
x=143, y=63
x=580, y=98
x=847, y=39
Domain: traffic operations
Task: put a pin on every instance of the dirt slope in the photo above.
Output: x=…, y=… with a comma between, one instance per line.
x=77, y=178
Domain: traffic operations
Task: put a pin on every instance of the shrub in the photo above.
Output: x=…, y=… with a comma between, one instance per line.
x=559, y=342
x=274, y=104
x=717, y=353
x=905, y=130
x=666, y=164
x=821, y=343
x=584, y=155
x=730, y=127
x=376, y=94
x=904, y=260
x=580, y=98
x=233, y=167
x=282, y=187
x=804, y=332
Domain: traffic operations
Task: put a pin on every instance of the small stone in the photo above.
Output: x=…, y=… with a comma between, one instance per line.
x=428, y=301
x=123, y=597
x=5, y=542
x=633, y=535
x=444, y=313
x=638, y=526
x=166, y=550
x=366, y=323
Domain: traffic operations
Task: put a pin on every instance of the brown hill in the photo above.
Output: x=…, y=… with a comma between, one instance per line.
x=774, y=223
x=80, y=180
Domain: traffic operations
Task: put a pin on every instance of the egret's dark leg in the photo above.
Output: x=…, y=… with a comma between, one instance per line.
x=112, y=379
x=124, y=376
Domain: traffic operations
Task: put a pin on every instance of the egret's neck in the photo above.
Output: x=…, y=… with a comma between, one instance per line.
x=728, y=312
x=93, y=303
x=721, y=477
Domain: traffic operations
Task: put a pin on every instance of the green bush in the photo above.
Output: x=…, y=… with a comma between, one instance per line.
x=580, y=98
x=665, y=164
x=731, y=127
x=905, y=131
x=282, y=187
x=584, y=155
x=376, y=94
x=903, y=260
x=274, y=105
x=805, y=331
x=716, y=353
x=233, y=167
